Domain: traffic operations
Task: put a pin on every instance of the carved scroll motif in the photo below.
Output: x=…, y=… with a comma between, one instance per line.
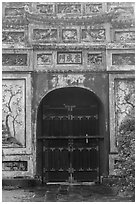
x=13, y=37
x=90, y=35
x=47, y=35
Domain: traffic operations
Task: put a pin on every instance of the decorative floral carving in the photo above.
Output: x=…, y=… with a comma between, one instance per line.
x=69, y=58
x=125, y=36
x=67, y=80
x=45, y=34
x=94, y=59
x=14, y=59
x=90, y=35
x=44, y=59
x=93, y=8
x=14, y=11
x=69, y=8
x=125, y=99
x=69, y=35
x=12, y=37
x=123, y=59
x=13, y=116
x=14, y=166
x=45, y=8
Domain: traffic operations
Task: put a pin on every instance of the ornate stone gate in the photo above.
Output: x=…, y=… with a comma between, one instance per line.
x=48, y=46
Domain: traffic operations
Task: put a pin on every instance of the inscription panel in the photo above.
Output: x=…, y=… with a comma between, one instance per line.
x=123, y=59
x=14, y=59
x=69, y=58
x=93, y=35
x=14, y=166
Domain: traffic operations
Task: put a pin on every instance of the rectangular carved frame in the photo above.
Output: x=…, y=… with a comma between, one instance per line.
x=28, y=136
x=111, y=67
x=29, y=66
x=112, y=117
x=15, y=158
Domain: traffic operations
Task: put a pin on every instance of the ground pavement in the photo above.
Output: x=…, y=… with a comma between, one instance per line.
x=63, y=193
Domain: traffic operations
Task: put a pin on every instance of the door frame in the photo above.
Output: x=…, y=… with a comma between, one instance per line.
x=104, y=141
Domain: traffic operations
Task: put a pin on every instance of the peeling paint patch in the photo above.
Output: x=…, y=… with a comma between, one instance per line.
x=67, y=80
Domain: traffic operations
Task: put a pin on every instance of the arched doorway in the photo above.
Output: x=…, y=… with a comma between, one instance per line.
x=69, y=131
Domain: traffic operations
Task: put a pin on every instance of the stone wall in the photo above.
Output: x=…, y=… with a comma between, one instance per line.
x=53, y=45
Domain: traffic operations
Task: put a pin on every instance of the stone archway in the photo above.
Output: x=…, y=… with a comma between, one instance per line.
x=69, y=132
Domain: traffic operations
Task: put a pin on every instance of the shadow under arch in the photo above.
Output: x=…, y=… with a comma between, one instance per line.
x=66, y=97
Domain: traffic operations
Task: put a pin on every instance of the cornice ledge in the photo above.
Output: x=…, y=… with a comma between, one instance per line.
x=115, y=45
x=68, y=47
x=115, y=17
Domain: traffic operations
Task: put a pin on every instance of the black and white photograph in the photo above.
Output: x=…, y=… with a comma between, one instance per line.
x=68, y=101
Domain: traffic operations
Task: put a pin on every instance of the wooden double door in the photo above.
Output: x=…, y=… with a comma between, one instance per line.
x=70, y=143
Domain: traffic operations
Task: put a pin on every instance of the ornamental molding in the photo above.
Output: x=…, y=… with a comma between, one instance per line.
x=68, y=47
x=19, y=15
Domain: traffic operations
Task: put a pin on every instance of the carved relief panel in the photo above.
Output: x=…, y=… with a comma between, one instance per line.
x=14, y=165
x=14, y=11
x=124, y=101
x=123, y=59
x=94, y=59
x=124, y=36
x=92, y=35
x=69, y=8
x=45, y=8
x=45, y=35
x=13, y=37
x=13, y=113
x=14, y=59
x=70, y=35
x=93, y=8
x=122, y=104
x=44, y=59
